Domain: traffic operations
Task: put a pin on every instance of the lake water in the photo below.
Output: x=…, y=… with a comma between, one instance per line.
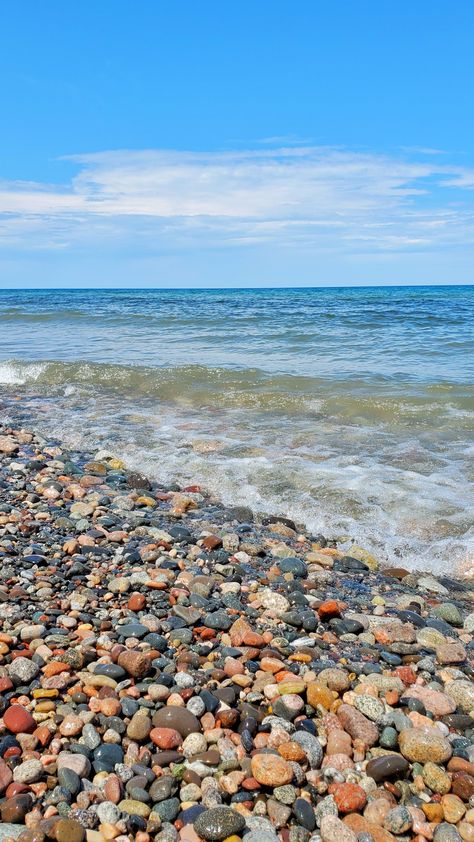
x=350, y=410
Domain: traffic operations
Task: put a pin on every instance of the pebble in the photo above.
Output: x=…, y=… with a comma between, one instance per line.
x=219, y=823
x=173, y=670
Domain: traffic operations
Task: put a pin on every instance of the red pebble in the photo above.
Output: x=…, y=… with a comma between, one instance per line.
x=18, y=720
x=136, y=602
x=350, y=798
x=328, y=610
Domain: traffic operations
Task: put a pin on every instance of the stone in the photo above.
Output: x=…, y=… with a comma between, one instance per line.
x=349, y=797
x=18, y=720
x=453, y=808
x=398, y=820
x=332, y=828
x=271, y=770
x=68, y=830
x=357, y=725
x=137, y=664
x=6, y=776
x=180, y=719
x=311, y=747
x=360, y=825
x=28, y=772
x=438, y=703
x=445, y=832
x=219, y=823
x=462, y=693
x=436, y=778
x=134, y=808
x=419, y=745
x=22, y=671
x=14, y=809
x=451, y=653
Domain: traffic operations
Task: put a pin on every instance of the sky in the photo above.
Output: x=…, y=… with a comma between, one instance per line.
x=268, y=143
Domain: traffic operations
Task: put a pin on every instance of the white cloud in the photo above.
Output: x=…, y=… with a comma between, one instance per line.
x=316, y=197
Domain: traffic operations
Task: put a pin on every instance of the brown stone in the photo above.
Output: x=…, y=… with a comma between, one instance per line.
x=463, y=785
x=358, y=824
x=68, y=830
x=137, y=664
x=15, y=809
x=180, y=719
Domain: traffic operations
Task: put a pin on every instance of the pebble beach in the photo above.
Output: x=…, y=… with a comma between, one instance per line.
x=176, y=669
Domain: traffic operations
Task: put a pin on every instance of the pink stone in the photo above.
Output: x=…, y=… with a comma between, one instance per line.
x=166, y=738
x=6, y=776
x=438, y=703
x=339, y=742
x=357, y=725
x=337, y=761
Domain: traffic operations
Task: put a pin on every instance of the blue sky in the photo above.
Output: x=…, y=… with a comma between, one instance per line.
x=236, y=144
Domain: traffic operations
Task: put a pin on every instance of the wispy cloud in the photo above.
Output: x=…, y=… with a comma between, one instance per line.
x=316, y=197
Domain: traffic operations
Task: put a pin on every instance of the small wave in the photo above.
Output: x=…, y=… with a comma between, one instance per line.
x=354, y=402
x=16, y=314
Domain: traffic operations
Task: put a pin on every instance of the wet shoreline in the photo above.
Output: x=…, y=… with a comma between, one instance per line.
x=176, y=669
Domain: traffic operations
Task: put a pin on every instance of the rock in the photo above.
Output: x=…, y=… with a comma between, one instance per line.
x=359, y=825
x=311, y=747
x=436, y=778
x=28, y=772
x=13, y=831
x=78, y=763
x=18, y=720
x=382, y=768
x=137, y=664
x=304, y=814
x=462, y=693
x=349, y=797
x=68, y=830
x=271, y=770
x=179, y=719
x=273, y=601
x=438, y=703
x=22, y=671
x=357, y=725
x=333, y=829
x=398, y=820
x=451, y=653
x=8, y=445
x=453, y=808
x=219, y=823
x=134, y=807
x=445, y=832
x=420, y=745
x=14, y=809
x=6, y=776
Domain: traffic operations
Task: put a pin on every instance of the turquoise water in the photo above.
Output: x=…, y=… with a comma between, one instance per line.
x=348, y=409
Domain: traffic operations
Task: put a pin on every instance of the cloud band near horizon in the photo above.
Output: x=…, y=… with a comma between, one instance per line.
x=319, y=198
